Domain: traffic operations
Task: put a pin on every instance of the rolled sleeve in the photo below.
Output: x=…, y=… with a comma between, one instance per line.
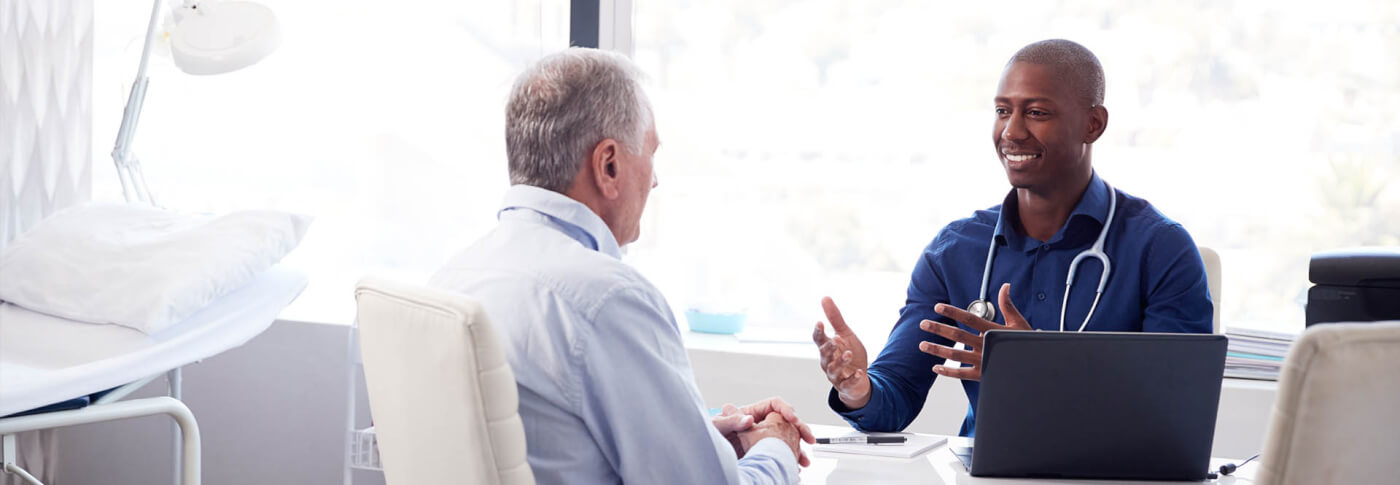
x=870, y=417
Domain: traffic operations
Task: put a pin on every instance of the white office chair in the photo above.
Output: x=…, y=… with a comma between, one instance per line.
x=442, y=396
x=1212, y=260
x=1338, y=408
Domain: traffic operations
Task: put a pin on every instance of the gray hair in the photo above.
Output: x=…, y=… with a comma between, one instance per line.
x=564, y=105
x=1072, y=62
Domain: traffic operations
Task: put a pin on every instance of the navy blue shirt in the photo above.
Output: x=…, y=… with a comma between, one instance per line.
x=1157, y=283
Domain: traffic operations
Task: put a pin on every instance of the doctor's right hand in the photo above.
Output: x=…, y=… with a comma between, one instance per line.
x=843, y=358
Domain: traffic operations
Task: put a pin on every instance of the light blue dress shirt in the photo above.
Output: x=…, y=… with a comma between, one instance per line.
x=606, y=390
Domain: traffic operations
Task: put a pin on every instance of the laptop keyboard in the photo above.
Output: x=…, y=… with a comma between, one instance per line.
x=964, y=454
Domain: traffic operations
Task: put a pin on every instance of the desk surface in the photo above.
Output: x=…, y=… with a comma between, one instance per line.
x=936, y=467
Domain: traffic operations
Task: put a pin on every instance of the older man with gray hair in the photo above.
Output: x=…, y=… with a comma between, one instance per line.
x=606, y=391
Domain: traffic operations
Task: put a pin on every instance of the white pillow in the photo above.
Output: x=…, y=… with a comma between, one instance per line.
x=140, y=267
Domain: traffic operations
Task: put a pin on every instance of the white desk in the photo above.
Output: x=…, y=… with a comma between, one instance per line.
x=724, y=373
x=939, y=466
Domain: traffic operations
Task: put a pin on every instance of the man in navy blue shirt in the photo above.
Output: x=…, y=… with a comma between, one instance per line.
x=1049, y=112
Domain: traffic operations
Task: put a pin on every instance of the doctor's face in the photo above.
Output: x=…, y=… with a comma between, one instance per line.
x=1043, y=128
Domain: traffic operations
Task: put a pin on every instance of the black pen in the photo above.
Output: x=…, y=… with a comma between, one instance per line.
x=866, y=440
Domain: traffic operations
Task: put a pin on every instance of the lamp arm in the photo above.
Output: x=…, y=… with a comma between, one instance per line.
x=128, y=167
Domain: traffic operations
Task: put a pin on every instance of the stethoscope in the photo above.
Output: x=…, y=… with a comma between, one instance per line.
x=982, y=308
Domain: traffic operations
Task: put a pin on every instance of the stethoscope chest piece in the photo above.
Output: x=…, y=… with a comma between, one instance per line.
x=982, y=309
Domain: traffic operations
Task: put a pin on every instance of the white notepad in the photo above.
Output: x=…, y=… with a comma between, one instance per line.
x=916, y=444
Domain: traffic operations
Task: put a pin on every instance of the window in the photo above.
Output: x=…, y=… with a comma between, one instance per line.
x=384, y=120
x=815, y=147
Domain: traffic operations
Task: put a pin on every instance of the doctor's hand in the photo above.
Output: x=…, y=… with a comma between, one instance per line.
x=973, y=355
x=843, y=358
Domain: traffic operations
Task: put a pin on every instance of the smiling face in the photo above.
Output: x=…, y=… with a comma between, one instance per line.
x=1044, y=127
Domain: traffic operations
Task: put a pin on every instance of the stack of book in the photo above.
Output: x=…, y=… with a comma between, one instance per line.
x=1256, y=354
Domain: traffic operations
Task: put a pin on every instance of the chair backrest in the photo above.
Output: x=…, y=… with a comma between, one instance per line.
x=1338, y=408
x=442, y=396
x=1212, y=260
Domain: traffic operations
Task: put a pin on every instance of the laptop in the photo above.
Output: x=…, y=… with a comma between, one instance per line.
x=1104, y=405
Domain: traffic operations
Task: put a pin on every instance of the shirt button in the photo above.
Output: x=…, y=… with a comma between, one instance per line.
x=1040, y=296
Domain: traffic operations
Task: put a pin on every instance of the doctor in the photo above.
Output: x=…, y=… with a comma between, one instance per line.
x=1063, y=251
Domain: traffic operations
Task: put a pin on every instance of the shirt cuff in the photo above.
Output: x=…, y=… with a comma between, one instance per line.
x=858, y=418
x=780, y=453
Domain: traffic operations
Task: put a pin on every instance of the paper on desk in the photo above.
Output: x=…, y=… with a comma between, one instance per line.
x=915, y=445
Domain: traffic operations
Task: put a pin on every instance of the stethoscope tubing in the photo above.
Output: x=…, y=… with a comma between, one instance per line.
x=984, y=309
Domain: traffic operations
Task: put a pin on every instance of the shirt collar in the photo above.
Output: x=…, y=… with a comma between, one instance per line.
x=573, y=218
x=1093, y=205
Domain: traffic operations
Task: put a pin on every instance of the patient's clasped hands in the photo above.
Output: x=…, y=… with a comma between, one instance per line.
x=769, y=418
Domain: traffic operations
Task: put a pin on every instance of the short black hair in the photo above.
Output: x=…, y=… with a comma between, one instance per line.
x=1072, y=62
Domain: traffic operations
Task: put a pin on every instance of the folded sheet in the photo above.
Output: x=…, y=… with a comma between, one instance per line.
x=140, y=267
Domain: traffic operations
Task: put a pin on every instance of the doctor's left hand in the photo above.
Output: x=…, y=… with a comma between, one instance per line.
x=973, y=355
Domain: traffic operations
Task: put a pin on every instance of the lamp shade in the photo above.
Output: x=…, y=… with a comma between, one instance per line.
x=219, y=37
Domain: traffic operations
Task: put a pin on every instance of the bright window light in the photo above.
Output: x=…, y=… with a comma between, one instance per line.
x=383, y=120
x=814, y=148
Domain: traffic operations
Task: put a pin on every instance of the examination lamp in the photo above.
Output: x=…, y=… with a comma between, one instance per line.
x=206, y=37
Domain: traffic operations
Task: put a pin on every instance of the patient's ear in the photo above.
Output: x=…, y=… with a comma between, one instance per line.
x=604, y=162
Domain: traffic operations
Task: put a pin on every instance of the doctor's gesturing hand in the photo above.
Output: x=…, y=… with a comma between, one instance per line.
x=843, y=358
x=973, y=356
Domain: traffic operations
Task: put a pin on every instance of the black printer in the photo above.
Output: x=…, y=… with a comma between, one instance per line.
x=1354, y=285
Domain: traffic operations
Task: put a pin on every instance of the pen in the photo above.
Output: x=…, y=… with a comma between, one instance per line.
x=868, y=440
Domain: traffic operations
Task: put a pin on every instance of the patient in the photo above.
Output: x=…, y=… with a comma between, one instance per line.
x=606, y=390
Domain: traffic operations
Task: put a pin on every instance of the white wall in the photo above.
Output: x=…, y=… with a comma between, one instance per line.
x=45, y=109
